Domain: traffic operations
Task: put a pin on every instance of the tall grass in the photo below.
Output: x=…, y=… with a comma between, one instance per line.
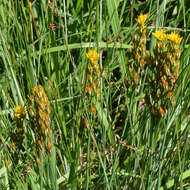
x=110, y=142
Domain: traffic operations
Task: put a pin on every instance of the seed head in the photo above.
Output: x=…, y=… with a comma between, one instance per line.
x=52, y=26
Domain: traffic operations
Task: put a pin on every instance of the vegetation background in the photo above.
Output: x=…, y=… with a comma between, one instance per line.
x=110, y=142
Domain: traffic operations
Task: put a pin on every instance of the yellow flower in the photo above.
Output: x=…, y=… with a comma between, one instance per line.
x=19, y=112
x=162, y=111
x=174, y=37
x=90, y=78
x=97, y=67
x=93, y=56
x=92, y=109
x=160, y=35
x=98, y=93
x=142, y=19
x=88, y=89
x=39, y=108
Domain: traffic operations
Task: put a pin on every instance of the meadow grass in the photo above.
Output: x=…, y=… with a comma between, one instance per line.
x=107, y=118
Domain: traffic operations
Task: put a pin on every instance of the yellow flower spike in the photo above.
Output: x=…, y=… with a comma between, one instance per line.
x=174, y=37
x=160, y=35
x=39, y=109
x=142, y=19
x=19, y=112
x=93, y=56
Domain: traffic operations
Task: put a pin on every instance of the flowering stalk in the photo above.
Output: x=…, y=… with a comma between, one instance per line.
x=138, y=53
x=162, y=67
x=94, y=73
x=39, y=110
x=17, y=136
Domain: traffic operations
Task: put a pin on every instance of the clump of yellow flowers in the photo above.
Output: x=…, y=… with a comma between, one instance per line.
x=38, y=116
x=167, y=61
x=162, y=67
x=160, y=35
x=19, y=112
x=93, y=56
x=175, y=38
x=142, y=19
x=93, y=84
x=17, y=134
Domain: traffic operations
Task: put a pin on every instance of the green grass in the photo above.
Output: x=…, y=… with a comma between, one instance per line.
x=123, y=146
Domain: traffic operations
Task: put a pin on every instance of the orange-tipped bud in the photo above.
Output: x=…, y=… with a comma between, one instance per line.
x=6, y=163
x=92, y=109
x=135, y=75
x=162, y=111
x=49, y=145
